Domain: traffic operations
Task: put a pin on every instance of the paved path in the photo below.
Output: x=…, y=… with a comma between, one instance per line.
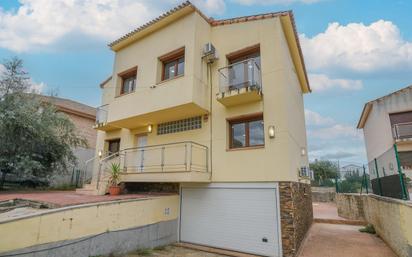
x=325, y=211
x=175, y=251
x=331, y=240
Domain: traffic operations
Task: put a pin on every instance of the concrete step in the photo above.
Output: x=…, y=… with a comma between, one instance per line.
x=87, y=189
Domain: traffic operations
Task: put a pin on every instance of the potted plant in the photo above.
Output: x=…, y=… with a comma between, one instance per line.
x=114, y=188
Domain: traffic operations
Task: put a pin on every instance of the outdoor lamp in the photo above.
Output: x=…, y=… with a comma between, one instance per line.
x=303, y=151
x=100, y=153
x=271, y=131
x=149, y=128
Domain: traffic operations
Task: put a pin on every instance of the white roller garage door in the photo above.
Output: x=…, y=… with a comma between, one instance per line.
x=239, y=217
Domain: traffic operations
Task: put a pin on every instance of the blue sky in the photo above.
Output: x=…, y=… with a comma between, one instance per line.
x=355, y=51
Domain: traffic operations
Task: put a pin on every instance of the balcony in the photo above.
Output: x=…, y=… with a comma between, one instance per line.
x=402, y=131
x=240, y=83
x=101, y=119
x=175, y=99
x=174, y=162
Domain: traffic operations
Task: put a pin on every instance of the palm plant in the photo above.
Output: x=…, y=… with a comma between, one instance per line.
x=114, y=174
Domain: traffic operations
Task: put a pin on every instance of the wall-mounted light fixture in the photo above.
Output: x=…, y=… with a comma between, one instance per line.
x=303, y=151
x=271, y=131
x=149, y=128
x=100, y=153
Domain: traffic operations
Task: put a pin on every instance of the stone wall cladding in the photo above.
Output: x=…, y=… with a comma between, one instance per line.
x=296, y=215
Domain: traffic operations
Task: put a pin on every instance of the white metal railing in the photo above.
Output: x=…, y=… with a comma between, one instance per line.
x=402, y=130
x=101, y=114
x=244, y=74
x=174, y=157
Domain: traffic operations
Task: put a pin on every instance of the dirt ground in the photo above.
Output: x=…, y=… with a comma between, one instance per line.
x=173, y=251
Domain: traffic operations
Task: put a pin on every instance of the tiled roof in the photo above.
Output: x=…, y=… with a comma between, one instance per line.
x=368, y=106
x=67, y=105
x=214, y=22
x=211, y=21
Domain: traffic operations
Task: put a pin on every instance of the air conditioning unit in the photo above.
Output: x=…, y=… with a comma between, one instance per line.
x=208, y=49
x=209, y=53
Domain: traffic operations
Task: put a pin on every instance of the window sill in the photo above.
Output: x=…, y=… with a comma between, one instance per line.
x=124, y=94
x=167, y=80
x=245, y=148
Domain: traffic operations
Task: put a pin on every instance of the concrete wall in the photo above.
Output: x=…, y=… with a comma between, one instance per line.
x=83, y=221
x=323, y=194
x=391, y=218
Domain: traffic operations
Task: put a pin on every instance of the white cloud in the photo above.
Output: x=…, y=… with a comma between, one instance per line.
x=37, y=88
x=211, y=6
x=321, y=82
x=314, y=118
x=358, y=47
x=45, y=24
x=269, y=2
x=335, y=132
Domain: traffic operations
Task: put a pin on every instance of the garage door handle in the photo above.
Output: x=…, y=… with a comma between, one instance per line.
x=264, y=240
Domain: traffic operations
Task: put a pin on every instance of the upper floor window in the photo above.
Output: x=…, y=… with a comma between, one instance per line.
x=173, y=64
x=246, y=132
x=401, y=125
x=251, y=52
x=128, y=81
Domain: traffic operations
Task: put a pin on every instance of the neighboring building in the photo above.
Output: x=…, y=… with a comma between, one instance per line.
x=387, y=121
x=84, y=118
x=213, y=109
x=350, y=170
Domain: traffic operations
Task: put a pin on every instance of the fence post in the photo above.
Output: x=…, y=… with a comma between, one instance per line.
x=405, y=196
x=336, y=184
x=366, y=180
x=377, y=175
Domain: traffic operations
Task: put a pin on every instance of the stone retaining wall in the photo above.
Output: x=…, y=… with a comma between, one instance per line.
x=392, y=218
x=296, y=215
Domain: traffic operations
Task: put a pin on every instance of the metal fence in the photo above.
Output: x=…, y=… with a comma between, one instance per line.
x=384, y=175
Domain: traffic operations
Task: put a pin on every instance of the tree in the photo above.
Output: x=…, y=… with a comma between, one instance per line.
x=35, y=139
x=14, y=79
x=323, y=171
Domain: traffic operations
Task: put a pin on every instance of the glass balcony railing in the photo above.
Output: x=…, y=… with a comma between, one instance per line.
x=402, y=131
x=244, y=74
x=101, y=114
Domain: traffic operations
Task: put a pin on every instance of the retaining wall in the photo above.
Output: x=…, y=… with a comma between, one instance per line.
x=392, y=218
x=93, y=229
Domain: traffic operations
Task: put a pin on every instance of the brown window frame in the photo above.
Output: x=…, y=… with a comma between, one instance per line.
x=127, y=74
x=110, y=141
x=245, y=119
x=243, y=54
x=171, y=57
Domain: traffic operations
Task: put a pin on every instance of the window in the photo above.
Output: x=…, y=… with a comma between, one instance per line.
x=246, y=132
x=113, y=146
x=173, y=64
x=179, y=125
x=128, y=80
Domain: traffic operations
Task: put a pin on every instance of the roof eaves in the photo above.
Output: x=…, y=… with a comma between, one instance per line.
x=144, y=26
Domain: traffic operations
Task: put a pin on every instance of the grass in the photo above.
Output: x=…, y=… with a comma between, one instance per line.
x=144, y=252
x=368, y=229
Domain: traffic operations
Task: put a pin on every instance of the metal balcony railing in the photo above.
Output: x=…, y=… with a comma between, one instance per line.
x=101, y=114
x=174, y=157
x=244, y=74
x=402, y=131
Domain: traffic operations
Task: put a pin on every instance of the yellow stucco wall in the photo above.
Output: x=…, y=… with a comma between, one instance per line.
x=282, y=103
x=80, y=221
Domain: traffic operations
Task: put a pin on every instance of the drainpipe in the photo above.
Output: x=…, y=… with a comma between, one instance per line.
x=210, y=83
